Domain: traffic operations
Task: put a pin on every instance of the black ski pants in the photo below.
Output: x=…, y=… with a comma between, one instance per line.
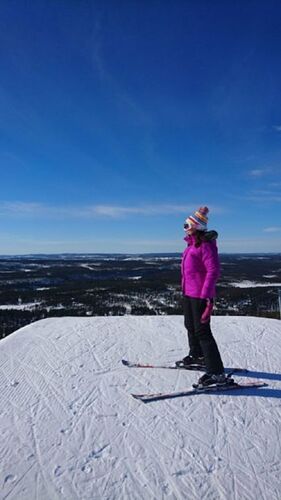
x=200, y=337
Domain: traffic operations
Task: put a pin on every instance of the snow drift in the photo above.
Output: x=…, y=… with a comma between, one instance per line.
x=71, y=430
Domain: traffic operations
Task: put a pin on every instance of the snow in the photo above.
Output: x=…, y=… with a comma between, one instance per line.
x=252, y=284
x=70, y=429
x=28, y=306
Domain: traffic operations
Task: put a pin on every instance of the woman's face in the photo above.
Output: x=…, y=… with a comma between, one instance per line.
x=190, y=230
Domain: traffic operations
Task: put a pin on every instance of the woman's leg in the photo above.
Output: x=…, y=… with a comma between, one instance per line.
x=189, y=323
x=203, y=334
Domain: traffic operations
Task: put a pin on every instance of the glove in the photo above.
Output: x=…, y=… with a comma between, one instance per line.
x=205, y=318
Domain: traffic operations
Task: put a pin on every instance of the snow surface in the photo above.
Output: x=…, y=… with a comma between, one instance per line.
x=252, y=284
x=70, y=429
x=29, y=306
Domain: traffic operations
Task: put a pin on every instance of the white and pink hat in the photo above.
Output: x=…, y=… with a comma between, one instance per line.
x=198, y=220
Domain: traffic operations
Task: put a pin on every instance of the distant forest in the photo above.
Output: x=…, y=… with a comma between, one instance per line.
x=37, y=287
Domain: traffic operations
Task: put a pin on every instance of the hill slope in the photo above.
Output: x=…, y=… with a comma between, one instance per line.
x=70, y=429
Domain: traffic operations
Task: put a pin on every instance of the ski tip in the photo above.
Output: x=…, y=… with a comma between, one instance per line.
x=259, y=384
x=146, y=398
x=138, y=397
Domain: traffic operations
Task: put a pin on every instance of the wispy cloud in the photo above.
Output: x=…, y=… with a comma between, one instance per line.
x=264, y=196
x=31, y=209
x=275, y=184
x=97, y=57
x=259, y=172
x=277, y=128
x=21, y=208
x=124, y=101
x=273, y=229
x=119, y=211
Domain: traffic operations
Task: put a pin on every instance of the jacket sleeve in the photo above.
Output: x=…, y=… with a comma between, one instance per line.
x=211, y=263
x=182, y=271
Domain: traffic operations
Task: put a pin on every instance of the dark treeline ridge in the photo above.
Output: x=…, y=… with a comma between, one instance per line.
x=37, y=287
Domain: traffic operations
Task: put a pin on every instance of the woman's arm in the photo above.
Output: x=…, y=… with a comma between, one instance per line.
x=211, y=263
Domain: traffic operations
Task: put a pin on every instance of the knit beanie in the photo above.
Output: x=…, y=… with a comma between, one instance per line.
x=199, y=219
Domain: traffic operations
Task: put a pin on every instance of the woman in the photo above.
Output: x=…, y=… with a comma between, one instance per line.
x=200, y=271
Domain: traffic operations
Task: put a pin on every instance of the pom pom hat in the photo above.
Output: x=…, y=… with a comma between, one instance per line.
x=198, y=220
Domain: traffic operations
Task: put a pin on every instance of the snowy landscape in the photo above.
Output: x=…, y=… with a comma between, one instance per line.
x=70, y=428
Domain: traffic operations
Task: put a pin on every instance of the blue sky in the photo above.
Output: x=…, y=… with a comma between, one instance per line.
x=119, y=118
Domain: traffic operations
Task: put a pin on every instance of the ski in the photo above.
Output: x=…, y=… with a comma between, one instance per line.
x=146, y=398
x=131, y=364
x=195, y=367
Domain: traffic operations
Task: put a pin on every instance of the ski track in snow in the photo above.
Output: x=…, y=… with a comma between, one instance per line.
x=70, y=429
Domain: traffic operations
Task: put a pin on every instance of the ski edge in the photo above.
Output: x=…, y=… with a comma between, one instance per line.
x=145, y=398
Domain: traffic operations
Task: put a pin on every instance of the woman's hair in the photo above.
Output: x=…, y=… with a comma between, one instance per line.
x=199, y=238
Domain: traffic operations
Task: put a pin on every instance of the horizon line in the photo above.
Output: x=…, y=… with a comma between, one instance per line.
x=126, y=253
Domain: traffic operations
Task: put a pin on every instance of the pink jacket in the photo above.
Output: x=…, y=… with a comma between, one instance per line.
x=200, y=267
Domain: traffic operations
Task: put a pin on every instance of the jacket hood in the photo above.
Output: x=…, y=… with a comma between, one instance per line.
x=210, y=235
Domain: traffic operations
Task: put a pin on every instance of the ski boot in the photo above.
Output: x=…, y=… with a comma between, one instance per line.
x=212, y=379
x=192, y=362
